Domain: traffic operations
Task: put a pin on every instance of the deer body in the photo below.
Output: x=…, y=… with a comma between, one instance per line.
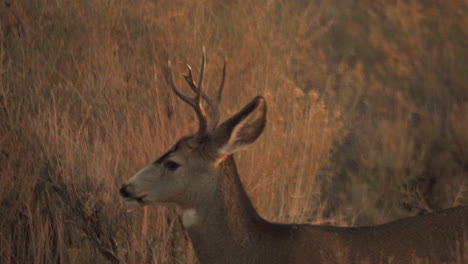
x=199, y=175
x=227, y=229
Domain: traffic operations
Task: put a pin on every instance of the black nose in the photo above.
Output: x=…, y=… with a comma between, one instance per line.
x=123, y=191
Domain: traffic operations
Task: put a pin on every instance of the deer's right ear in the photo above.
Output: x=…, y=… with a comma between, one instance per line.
x=241, y=129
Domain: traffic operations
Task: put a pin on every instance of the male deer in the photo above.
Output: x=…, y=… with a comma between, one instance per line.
x=199, y=175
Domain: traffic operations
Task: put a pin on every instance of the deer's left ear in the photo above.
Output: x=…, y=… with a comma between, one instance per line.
x=241, y=129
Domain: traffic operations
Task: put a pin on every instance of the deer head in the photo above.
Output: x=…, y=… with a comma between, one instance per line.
x=186, y=175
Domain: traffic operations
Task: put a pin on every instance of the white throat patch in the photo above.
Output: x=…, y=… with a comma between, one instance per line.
x=189, y=217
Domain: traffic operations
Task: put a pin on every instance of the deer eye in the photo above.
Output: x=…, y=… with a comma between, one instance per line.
x=171, y=165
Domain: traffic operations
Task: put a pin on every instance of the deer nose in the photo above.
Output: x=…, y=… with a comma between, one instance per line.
x=123, y=191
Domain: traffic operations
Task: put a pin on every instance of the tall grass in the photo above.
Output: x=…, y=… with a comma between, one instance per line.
x=354, y=124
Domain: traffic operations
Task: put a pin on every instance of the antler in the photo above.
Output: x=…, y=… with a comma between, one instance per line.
x=196, y=101
x=214, y=104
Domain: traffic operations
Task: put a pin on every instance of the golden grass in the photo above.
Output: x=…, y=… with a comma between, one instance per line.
x=84, y=103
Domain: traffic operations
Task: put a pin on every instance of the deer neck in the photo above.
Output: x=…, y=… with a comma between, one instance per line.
x=225, y=223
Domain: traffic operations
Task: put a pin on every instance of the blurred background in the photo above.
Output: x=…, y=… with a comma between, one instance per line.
x=367, y=122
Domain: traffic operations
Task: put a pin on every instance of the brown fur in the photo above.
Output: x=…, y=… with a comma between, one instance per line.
x=199, y=174
x=230, y=231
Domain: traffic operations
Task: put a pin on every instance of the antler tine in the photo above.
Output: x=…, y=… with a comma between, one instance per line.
x=190, y=80
x=214, y=104
x=174, y=87
x=205, y=97
x=202, y=72
x=195, y=103
x=221, y=86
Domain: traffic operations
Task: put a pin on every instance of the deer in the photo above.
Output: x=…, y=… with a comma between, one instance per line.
x=199, y=175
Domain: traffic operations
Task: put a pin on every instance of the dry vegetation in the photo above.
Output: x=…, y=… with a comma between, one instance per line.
x=368, y=115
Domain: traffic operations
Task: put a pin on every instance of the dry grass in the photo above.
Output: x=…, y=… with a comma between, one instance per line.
x=356, y=115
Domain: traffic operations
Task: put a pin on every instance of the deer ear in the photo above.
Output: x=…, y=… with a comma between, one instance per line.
x=241, y=129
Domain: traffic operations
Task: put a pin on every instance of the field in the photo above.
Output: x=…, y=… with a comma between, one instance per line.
x=367, y=122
